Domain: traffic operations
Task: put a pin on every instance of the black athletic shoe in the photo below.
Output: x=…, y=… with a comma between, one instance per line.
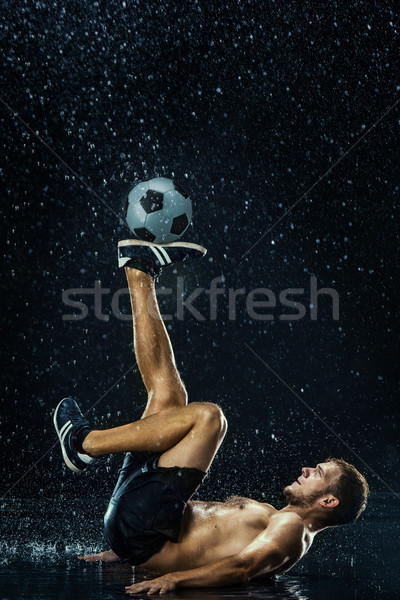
x=70, y=423
x=151, y=258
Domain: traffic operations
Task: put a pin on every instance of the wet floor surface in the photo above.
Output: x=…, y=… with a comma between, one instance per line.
x=40, y=540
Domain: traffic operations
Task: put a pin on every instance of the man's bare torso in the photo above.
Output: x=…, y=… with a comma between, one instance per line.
x=214, y=530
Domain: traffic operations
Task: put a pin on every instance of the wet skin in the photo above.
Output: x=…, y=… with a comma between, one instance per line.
x=225, y=543
x=212, y=531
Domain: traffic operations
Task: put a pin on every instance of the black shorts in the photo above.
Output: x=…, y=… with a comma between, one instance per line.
x=147, y=506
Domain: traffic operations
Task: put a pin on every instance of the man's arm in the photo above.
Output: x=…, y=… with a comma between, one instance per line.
x=275, y=549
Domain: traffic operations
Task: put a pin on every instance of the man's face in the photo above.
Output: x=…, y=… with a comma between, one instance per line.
x=312, y=484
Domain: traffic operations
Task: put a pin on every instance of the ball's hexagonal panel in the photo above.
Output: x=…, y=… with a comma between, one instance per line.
x=144, y=234
x=175, y=204
x=189, y=210
x=160, y=184
x=159, y=223
x=179, y=224
x=138, y=192
x=152, y=201
x=180, y=189
x=135, y=216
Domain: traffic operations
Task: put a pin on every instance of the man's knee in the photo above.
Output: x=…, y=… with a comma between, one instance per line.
x=211, y=416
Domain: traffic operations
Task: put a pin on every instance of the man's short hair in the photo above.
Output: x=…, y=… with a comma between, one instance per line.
x=351, y=489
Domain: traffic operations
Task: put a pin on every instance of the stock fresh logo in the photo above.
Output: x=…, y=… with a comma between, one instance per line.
x=218, y=301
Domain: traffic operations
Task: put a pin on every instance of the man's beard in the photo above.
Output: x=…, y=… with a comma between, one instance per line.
x=300, y=499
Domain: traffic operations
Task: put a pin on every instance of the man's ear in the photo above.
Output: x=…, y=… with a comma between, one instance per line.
x=329, y=501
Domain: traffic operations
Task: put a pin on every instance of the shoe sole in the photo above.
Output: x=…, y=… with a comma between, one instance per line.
x=187, y=245
x=69, y=464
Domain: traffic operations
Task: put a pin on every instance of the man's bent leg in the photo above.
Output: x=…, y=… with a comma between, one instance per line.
x=153, y=349
x=187, y=437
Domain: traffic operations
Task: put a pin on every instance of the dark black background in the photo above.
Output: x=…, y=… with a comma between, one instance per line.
x=246, y=105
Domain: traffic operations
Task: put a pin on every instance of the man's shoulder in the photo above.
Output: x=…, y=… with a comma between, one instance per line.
x=289, y=518
x=288, y=530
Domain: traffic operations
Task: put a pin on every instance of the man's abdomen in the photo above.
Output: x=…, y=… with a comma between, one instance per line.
x=210, y=532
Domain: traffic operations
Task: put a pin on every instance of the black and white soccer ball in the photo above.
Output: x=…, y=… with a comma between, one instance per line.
x=158, y=210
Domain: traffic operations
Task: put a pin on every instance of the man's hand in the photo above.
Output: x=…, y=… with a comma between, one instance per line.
x=160, y=585
x=107, y=556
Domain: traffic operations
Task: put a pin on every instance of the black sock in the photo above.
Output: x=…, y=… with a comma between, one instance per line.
x=79, y=436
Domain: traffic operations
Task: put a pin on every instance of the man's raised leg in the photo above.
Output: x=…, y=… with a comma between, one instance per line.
x=186, y=436
x=153, y=349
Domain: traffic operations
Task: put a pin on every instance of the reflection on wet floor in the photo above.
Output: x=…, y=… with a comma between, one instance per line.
x=40, y=541
x=45, y=582
x=108, y=581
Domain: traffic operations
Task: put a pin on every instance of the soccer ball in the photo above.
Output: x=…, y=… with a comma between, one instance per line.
x=158, y=210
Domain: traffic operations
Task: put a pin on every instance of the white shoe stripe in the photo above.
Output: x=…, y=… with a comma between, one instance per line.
x=62, y=438
x=165, y=254
x=85, y=458
x=158, y=255
x=200, y=249
x=122, y=261
x=63, y=428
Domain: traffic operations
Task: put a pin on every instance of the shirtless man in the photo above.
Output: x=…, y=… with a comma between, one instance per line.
x=150, y=520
